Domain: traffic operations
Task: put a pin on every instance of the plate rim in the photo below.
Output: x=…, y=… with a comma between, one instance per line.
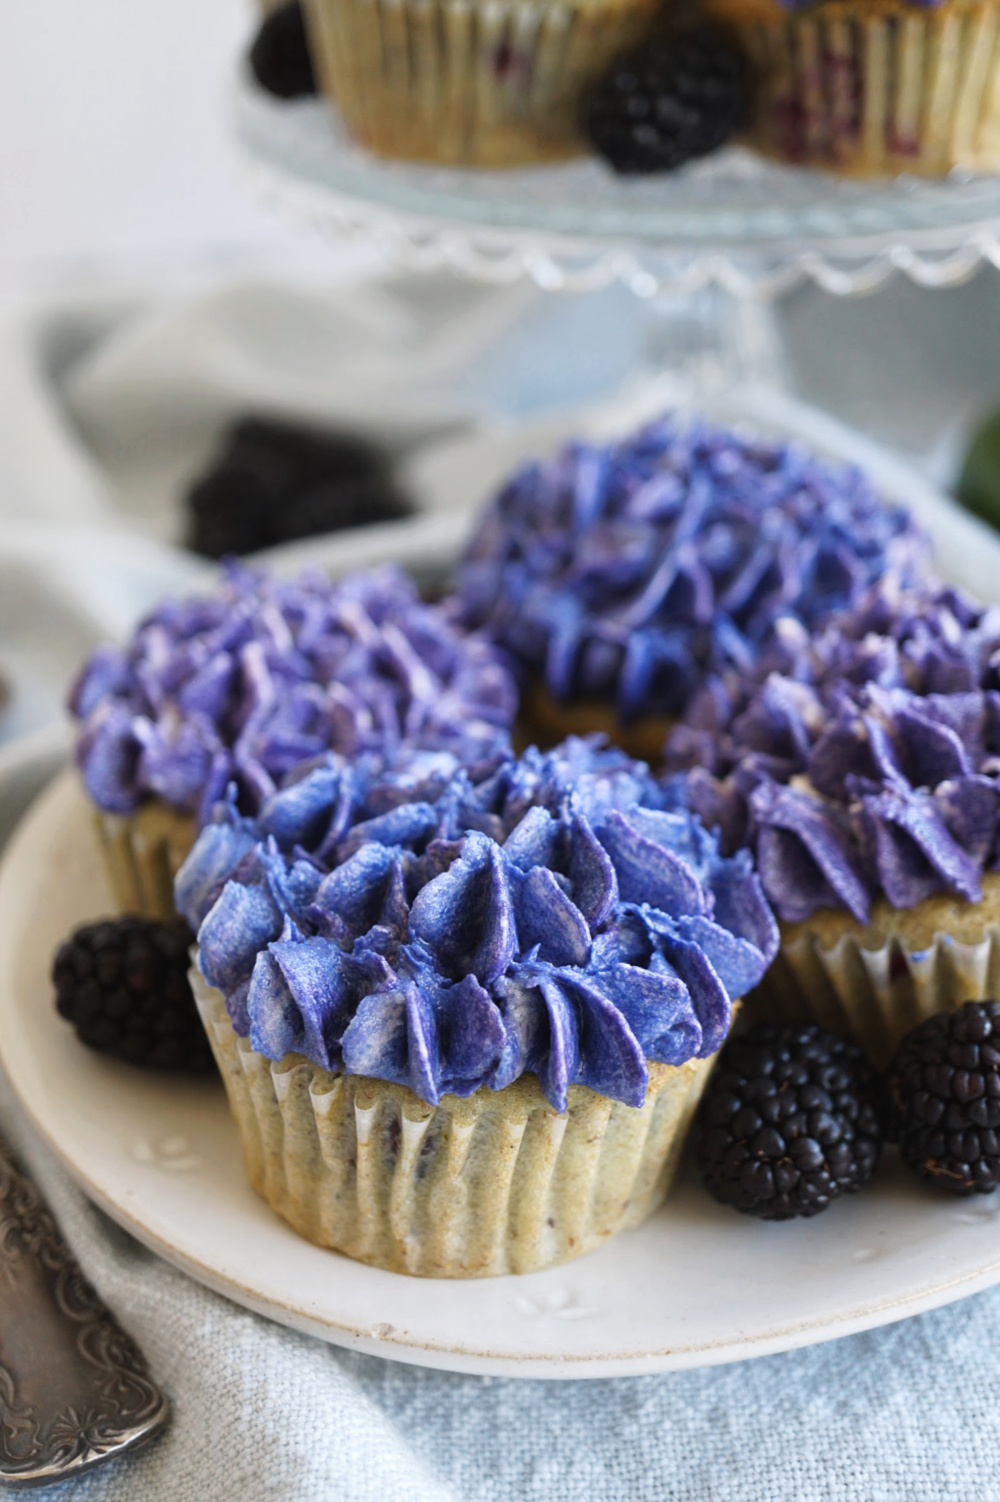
x=630, y=1361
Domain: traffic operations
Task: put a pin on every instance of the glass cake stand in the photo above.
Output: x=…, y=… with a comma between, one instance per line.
x=733, y=221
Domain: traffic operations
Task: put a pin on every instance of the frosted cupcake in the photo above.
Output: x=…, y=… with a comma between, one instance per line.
x=465, y=1033
x=241, y=687
x=487, y=83
x=873, y=87
x=621, y=575
x=867, y=788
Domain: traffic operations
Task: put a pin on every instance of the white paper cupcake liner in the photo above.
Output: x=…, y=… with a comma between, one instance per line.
x=877, y=994
x=472, y=82
x=498, y=1183
x=143, y=853
x=875, y=89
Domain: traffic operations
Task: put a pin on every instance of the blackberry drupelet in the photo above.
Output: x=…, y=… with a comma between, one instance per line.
x=279, y=57
x=789, y=1121
x=123, y=984
x=272, y=482
x=677, y=96
x=942, y=1099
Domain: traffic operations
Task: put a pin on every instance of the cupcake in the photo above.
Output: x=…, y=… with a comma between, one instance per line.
x=873, y=87
x=866, y=781
x=464, y=1019
x=239, y=688
x=621, y=575
x=486, y=83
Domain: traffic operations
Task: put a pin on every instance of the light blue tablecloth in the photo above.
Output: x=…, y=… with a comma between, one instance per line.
x=904, y=1414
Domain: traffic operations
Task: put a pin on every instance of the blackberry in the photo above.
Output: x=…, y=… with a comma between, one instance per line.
x=273, y=482
x=942, y=1099
x=677, y=96
x=279, y=58
x=123, y=984
x=789, y=1122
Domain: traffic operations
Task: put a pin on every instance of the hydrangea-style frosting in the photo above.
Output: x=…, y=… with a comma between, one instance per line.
x=242, y=685
x=442, y=932
x=630, y=570
x=870, y=765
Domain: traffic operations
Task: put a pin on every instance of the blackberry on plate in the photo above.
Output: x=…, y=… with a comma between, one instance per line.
x=942, y=1098
x=677, y=96
x=273, y=482
x=789, y=1121
x=123, y=984
x=279, y=58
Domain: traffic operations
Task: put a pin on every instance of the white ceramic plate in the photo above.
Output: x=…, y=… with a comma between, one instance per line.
x=697, y=1284
x=694, y=1286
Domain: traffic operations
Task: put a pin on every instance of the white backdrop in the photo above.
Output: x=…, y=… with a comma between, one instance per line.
x=114, y=139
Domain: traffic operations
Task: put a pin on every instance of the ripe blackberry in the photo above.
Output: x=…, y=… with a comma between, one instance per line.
x=677, y=96
x=280, y=58
x=272, y=482
x=789, y=1122
x=123, y=985
x=942, y=1099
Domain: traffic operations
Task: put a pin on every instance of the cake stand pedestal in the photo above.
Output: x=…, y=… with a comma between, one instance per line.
x=733, y=220
x=709, y=248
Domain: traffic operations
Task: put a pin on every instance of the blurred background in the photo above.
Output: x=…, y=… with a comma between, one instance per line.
x=149, y=300
x=117, y=160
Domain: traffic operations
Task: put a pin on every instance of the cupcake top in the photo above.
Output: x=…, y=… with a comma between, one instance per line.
x=243, y=685
x=630, y=570
x=869, y=766
x=447, y=930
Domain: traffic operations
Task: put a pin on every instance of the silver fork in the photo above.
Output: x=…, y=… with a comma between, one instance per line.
x=74, y=1388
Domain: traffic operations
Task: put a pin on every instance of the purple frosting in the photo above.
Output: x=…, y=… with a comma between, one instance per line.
x=866, y=760
x=631, y=570
x=243, y=685
x=448, y=930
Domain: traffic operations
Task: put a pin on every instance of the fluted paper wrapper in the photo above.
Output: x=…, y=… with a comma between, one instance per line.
x=877, y=986
x=498, y=1183
x=874, y=88
x=143, y=853
x=491, y=83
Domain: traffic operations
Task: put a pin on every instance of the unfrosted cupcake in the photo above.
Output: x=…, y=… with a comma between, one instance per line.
x=464, y=1025
x=240, y=687
x=865, y=781
x=874, y=87
x=487, y=83
x=621, y=575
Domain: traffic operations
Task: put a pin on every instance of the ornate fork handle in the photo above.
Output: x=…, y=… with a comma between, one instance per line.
x=74, y=1388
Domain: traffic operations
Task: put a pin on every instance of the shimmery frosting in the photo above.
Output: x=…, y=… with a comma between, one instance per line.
x=870, y=765
x=448, y=931
x=630, y=570
x=242, y=685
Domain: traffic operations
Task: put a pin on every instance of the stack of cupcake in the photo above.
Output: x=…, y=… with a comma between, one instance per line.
x=465, y=1000
x=864, y=90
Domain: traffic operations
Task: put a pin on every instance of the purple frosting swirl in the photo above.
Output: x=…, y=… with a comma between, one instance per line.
x=243, y=685
x=631, y=570
x=870, y=763
x=448, y=930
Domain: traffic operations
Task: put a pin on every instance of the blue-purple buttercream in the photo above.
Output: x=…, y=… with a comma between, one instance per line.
x=864, y=760
x=242, y=686
x=460, y=929
x=630, y=571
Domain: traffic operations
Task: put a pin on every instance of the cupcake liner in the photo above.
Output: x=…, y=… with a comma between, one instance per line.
x=473, y=82
x=143, y=853
x=877, y=993
x=497, y=1183
x=875, y=89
